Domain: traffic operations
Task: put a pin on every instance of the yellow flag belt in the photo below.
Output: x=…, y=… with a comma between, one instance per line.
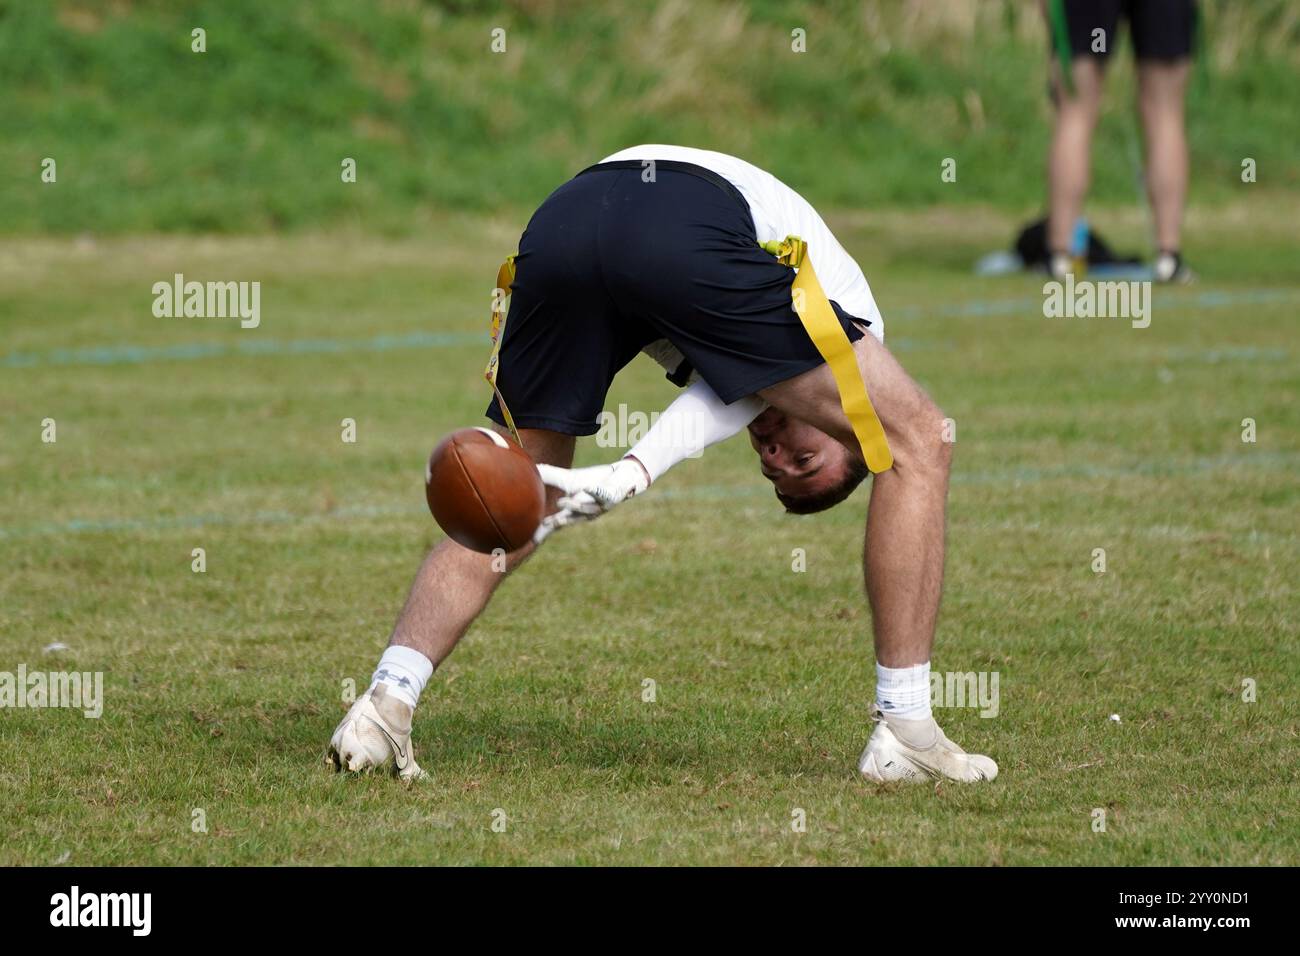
x=819, y=321
x=505, y=279
x=823, y=327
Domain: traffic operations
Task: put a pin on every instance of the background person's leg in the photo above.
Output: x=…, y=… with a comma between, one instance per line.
x=1070, y=155
x=454, y=584
x=1162, y=91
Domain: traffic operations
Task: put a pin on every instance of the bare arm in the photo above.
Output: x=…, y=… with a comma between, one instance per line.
x=904, y=549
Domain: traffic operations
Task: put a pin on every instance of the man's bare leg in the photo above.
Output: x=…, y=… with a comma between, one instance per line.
x=454, y=584
x=1069, y=160
x=1162, y=90
x=451, y=589
x=903, y=557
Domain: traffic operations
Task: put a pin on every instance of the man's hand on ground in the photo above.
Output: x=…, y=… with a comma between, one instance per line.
x=590, y=492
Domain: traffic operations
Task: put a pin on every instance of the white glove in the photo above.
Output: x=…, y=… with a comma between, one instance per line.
x=589, y=492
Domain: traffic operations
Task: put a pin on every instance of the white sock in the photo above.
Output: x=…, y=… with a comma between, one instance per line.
x=904, y=692
x=405, y=671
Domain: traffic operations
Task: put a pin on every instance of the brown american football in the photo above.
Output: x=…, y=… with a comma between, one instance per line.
x=484, y=491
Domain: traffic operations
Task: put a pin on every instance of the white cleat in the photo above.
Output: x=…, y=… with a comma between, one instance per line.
x=375, y=733
x=887, y=759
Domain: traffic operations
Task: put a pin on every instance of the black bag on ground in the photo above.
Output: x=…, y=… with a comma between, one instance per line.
x=1031, y=246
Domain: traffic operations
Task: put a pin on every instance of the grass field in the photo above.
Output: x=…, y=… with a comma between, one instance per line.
x=222, y=688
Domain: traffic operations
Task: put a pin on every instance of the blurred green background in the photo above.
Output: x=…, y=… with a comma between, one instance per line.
x=248, y=137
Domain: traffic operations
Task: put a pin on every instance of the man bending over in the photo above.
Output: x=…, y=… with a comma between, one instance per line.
x=661, y=249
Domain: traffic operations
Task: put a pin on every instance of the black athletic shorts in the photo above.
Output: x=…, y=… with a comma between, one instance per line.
x=1161, y=29
x=610, y=263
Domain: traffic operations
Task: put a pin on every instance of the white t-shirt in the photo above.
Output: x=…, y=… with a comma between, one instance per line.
x=778, y=211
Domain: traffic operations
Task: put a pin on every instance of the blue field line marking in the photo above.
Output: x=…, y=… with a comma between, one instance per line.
x=1145, y=469
x=1010, y=477
x=1244, y=353
x=139, y=354
x=169, y=523
x=1207, y=299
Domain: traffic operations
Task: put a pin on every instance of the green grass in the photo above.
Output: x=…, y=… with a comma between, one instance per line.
x=249, y=135
x=222, y=688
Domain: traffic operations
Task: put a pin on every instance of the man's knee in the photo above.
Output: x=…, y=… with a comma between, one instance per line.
x=543, y=445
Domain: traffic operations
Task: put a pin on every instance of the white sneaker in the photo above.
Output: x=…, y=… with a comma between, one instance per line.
x=888, y=758
x=1170, y=267
x=376, y=730
x=1059, y=265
